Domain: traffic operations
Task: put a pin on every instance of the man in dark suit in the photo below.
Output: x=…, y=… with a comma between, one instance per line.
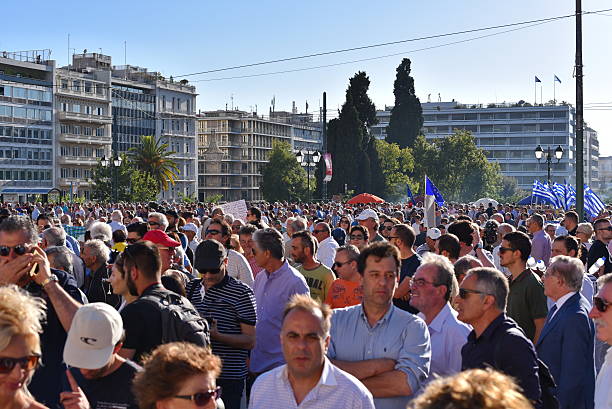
x=566, y=344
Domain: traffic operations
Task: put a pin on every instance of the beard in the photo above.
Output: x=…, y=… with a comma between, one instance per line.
x=131, y=285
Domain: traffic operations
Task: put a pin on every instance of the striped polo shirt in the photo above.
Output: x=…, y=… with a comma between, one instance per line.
x=231, y=303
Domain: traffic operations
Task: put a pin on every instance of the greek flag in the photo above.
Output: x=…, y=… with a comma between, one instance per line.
x=592, y=203
x=559, y=191
x=570, y=196
x=544, y=192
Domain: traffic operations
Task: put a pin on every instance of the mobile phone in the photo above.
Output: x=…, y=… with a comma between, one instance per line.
x=34, y=270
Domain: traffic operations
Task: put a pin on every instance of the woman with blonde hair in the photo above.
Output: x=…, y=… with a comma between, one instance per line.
x=20, y=326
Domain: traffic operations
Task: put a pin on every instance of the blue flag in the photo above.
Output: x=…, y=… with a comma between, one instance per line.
x=559, y=191
x=544, y=192
x=409, y=193
x=557, y=79
x=537, y=79
x=592, y=203
x=570, y=196
x=432, y=190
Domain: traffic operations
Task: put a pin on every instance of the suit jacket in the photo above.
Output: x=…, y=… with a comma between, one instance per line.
x=566, y=345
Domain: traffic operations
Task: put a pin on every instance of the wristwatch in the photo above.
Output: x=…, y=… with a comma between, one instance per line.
x=52, y=277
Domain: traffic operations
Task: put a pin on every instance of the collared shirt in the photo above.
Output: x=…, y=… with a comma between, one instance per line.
x=559, y=303
x=448, y=336
x=336, y=389
x=603, y=388
x=503, y=346
x=327, y=251
x=239, y=268
x=540, y=246
x=398, y=335
x=272, y=291
x=526, y=301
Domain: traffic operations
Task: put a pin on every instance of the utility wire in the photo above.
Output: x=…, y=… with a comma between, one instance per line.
x=344, y=50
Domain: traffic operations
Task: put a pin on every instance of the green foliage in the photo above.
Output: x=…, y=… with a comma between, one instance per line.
x=407, y=115
x=153, y=157
x=378, y=185
x=188, y=198
x=509, y=191
x=358, y=92
x=396, y=164
x=282, y=177
x=130, y=184
x=457, y=167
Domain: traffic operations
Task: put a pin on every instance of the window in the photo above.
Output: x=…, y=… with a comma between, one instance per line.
x=5, y=90
x=19, y=112
x=76, y=85
x=546, y=114
x=546, y=127
x=19, y=93
x=486, y=116
x=88, y=87
x=99, y=111
x=88, y=131
x=64, y=84
x=100, y=131
x=501, y=116
x=76, y=108
x=88, y=109
x=76, y=129
x=64, y=172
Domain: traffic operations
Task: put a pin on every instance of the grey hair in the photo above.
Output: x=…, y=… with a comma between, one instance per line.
x=298, y=224
x=603, y=280
x=445, y=273
x=163, y=220
x=54, y=236
x=66, y=219
x=463, y=264
x=62, y=258
x=271, y=240
x=507, y=227
x=117, y=215
x=492, y=282
x=98, y=249
x=569, y=269
x=22, y=224
x=351, y=251
x=229, y=218
x=101, y=231
x=586, y=228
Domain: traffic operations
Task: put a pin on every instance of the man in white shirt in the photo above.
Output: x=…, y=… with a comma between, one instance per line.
x=309, y=379
x=602, y=314
x=327, y=245
x=117, y=218
x=432, y=286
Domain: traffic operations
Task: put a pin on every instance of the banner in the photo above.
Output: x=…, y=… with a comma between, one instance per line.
x=328, y=167
x=238, y=209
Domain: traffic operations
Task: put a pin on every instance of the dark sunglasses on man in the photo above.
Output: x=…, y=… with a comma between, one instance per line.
x=19, y=249
x=601, y=304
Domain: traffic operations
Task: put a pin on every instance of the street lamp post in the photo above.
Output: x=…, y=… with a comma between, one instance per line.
x=114, y=163
x=308, y=159
x=539, y=154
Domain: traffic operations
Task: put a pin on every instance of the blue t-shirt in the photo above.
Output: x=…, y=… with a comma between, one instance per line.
x=408, y=268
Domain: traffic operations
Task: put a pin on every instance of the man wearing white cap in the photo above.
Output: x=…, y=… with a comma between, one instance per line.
x=98, y=375
x=368, y=218
x=191, y=231
x=431, y=237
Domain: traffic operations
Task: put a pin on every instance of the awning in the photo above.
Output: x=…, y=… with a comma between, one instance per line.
x=25, y=190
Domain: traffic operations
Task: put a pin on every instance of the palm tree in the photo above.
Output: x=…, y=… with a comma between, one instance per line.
x=153, y=157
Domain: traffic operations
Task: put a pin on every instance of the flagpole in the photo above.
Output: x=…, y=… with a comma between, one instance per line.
x=541, y=94
x=535, y=93
x=554, y=91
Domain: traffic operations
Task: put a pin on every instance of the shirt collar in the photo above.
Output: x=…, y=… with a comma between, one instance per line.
x=559, y=303
x=280, y=270
x=385, y=317
x=438, y=322
x=327, y=378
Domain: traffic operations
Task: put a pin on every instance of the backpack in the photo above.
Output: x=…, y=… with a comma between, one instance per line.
x=179, y=319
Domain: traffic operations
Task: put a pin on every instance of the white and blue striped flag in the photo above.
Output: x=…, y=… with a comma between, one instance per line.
x=592, y=203
x=570, y=196
x=559, y=191
x=543, y=191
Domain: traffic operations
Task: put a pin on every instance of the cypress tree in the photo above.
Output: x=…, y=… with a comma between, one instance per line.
x=407, y=115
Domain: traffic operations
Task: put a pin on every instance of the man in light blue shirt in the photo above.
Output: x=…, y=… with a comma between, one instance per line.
x=432, y=286
x=386, y=348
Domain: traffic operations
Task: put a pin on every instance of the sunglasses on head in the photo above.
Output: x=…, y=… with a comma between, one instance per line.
x=27, y=362
x=202, y=398
x=601, y=304
x=318, y=231
x=20, y=250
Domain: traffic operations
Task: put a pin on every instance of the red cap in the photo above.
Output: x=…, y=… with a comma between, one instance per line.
x=161, y=238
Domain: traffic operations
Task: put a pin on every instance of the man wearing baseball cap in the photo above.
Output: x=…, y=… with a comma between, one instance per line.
x=97, y=373
x=229, y=306
x=368, y=218
x=166, y=246
x=433, y=234
x=191, y=231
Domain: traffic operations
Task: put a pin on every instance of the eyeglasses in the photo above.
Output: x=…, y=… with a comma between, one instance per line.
x=420, y=282
x=356, y=237
x=202, y=398
x=153, y=224
x=20, y=250
x=213, y=232
x=504, y=249
x=609, y=228
x=131, y=241
x=601, y=304
x=463, y=292
x=340, y=264
x=27, y=362
x=210, y=271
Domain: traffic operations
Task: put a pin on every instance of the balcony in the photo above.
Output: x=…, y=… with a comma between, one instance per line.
x=93, y=119
x=88, y=139
x=75, y=182
x=78, y=160
x=80, y=93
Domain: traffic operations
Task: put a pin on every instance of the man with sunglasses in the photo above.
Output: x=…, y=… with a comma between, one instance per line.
x=599, y=248
x=566, y=343
x=135, y=232
x=19, y=253
x=601, y=313
x=229, y=306
x=496, y=341
x=327, y=244
x=346, y=290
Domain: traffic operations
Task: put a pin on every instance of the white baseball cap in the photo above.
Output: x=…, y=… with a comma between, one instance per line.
x=367, y=214
x=190, y=227
x=434, y=233
x=95, y=330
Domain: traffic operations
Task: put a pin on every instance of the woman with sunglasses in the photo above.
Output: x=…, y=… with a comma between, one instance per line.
x=345, y=223
x=178, y=375
x=20, y=326
x=358, y=237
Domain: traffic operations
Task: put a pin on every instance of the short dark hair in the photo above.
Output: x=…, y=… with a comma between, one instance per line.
x=139, y=228
x=405, y=234
x=226, y=230
x=379, y=250
x=538, y=219
x=271, y=240
x=307, y=239
x=572, y=215
x=363, y=230
x=570, y=243
x=144, y=256
x=463, y=229
x=247, y=229
x=119, y=236
x=599, y=221
x=255, y=212
x=519, y=241
x=450, y=243
x=21, y=224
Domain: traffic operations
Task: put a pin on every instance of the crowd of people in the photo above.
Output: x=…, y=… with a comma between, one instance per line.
x=164, y=306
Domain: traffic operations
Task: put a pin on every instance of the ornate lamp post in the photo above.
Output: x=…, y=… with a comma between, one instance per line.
x=539, y=154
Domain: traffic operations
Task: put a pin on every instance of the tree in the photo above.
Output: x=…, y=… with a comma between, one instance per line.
x=131, y=184
x=396, y=164
x=358, y=91
x=378, y=185
x=153, y=157
x=509, y=191
x=407, y=115
x=282, y=177
x=458, y=168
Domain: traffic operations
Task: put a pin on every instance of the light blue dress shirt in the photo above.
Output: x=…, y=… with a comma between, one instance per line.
x=399, y=335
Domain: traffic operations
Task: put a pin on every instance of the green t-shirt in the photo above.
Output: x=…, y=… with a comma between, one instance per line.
x=319, y=281
x=526, y=301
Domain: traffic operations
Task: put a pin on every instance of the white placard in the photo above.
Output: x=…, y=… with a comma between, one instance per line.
x=238, y=209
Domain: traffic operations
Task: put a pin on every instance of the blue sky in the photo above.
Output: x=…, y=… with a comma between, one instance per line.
x=190, y=36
